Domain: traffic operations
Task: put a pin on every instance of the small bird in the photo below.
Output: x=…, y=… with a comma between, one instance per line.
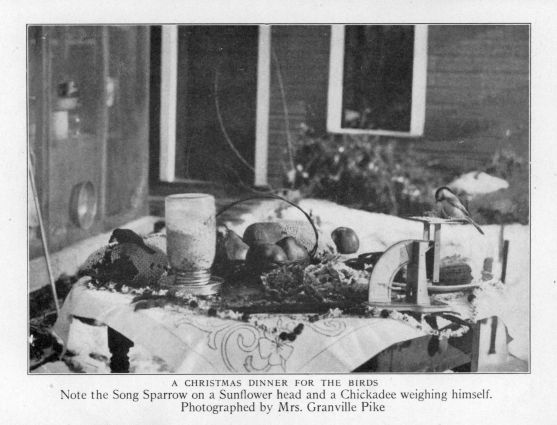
x=129, y=236
x=451, y=207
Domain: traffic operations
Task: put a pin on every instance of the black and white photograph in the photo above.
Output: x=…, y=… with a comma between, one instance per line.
x=214, y=199
x=267, y=212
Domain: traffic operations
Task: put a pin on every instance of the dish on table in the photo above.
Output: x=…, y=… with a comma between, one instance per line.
x=438, y=289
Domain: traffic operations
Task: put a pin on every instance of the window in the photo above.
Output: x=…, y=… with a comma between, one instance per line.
x=377, y=79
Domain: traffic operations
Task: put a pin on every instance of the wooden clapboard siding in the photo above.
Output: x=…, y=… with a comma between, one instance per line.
x=302, y=53
x=477, y=91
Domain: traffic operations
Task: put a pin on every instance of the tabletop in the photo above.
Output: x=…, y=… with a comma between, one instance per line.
x=190, y=342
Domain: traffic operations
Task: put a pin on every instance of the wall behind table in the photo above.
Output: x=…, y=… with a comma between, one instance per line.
x=300, y=61
x=477, y=91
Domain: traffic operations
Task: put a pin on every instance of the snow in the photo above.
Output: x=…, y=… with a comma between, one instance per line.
x=478, y=183
x=376, y=232
x=90, y=346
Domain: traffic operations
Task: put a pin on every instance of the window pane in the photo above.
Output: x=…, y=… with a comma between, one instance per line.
x=377, y=80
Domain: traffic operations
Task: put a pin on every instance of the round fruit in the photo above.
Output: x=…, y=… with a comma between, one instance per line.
x=346, y=240
x=265, y=253
x=293, y=249
x=262, y=233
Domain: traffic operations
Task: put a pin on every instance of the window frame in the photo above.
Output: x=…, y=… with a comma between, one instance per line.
x=168, y=96
x=336, y=82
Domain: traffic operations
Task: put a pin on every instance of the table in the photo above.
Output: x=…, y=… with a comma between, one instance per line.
x=193, y=343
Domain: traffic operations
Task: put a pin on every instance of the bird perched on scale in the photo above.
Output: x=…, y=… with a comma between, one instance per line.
x=451, y=207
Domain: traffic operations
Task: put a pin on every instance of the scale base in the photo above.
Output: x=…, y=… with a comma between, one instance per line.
x=434, y=307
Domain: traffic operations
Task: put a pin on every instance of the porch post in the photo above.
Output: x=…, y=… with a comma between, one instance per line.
x=262, y=111
x=419, y=80
x=169, y=71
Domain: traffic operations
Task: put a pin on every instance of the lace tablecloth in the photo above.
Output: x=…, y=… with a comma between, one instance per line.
x=190, y=342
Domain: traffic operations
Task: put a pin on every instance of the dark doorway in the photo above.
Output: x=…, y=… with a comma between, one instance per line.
x=216, y=103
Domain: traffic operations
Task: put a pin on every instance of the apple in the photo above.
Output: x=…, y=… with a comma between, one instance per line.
x=261, y=254
x=346, y=240
x=262, y=233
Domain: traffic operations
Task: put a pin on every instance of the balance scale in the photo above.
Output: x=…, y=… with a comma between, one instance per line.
x=410, y=253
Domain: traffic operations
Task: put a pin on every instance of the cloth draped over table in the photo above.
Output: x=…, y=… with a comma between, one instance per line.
x=190, y=342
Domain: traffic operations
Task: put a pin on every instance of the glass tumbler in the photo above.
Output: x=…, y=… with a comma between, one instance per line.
x=191, y=239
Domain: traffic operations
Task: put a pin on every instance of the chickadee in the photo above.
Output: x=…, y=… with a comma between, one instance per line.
x=129, y=236
x=451, y=207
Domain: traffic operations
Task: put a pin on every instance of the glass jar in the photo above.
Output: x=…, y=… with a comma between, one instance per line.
x=191, y=237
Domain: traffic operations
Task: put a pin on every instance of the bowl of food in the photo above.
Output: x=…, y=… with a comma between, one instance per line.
x=267, y=245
